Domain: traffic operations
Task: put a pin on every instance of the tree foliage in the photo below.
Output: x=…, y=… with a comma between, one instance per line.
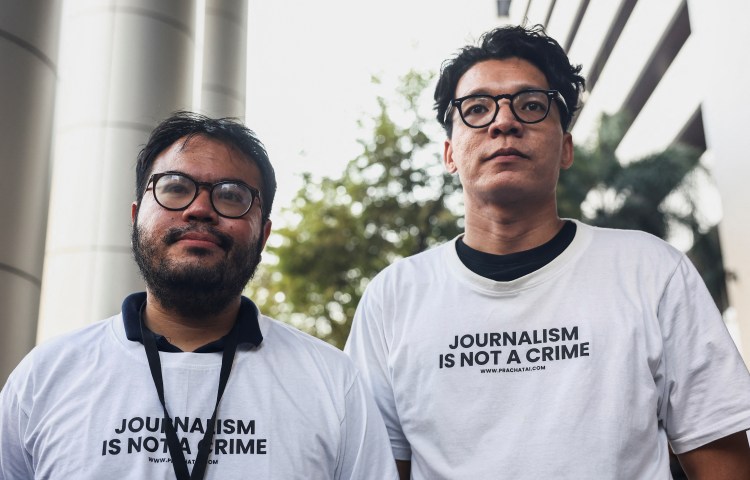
x=390, y=202
x=656, y=194
x=393, y=201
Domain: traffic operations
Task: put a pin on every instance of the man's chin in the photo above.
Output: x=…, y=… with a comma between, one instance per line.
x=198, y=279
x=200, y=274
x=196, y=261
x=194, y=289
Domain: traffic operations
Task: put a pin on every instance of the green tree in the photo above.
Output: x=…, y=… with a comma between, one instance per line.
x=390, y=202
x=655, y=194
x=393, y=201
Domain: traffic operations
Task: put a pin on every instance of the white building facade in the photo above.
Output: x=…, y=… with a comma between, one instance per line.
x=83, y=84
x=679, y=69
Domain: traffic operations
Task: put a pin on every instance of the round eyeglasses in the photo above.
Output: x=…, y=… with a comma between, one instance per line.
x=176, y=191
x=528, y=106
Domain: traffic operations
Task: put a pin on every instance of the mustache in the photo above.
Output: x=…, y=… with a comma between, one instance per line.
x=175, y=233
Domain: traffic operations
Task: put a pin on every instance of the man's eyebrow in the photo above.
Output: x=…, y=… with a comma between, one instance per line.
x=487, y=91
x=222, y=179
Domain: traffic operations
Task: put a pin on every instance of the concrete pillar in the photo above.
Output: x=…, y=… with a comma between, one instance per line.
x=724, y=75
x=29, y=32
x=224, y=58
x=124, y=66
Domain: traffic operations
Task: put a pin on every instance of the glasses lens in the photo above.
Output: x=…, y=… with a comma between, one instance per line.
x=174, y=191
x=531, y=106
x=232, y=199
x=478, y=111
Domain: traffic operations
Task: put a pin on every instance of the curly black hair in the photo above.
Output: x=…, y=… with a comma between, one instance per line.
x=531, y=44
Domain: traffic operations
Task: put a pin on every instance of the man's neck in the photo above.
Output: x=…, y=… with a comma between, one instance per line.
x=188, y=333
x=500, y=231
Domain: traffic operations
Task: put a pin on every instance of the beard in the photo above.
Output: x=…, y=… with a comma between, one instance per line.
x=194, y=289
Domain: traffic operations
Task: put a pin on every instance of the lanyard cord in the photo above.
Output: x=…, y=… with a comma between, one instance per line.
x=175, y=451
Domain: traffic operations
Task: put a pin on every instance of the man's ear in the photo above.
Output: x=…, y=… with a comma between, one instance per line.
x=266, y=231
x=133, y=212
x=566, y=160
x=450, y=165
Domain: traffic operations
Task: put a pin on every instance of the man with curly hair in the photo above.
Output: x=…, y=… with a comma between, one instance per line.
x=535, y=347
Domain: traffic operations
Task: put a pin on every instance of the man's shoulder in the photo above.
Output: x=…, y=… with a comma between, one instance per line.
x=300, y=344
x=57, y=356
x=92, y=332
x=423, y=261
x=312, y=362
x=627, y=240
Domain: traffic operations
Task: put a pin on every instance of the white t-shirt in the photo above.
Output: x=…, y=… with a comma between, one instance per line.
x=84, y=406
x=583, y=369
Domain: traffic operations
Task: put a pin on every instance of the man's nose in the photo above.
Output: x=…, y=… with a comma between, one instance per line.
x=505, y=122
x=201, y=209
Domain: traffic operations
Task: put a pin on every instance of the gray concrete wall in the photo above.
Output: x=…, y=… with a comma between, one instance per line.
x=125, y=65
x=29, y=31
x=224, y=58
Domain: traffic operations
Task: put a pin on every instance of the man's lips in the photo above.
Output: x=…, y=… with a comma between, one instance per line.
x=198, y=238
x=506, y=153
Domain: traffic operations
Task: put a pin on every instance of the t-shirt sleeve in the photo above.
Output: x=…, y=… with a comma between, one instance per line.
x=368, y=347
x=366, y=454
x=15, y=460
x=706, y=385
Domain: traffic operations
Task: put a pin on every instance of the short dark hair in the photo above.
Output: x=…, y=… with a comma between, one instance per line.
x=531, y=44
x=226, y=130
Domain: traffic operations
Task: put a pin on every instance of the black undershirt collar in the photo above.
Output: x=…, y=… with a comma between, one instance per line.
x=504, y=268
x=247, y=318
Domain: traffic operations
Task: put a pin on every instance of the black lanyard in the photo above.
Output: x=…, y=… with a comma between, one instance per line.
x=175, y=451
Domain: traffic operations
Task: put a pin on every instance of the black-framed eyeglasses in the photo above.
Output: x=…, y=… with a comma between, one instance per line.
x=528, y=106
x=176, y=191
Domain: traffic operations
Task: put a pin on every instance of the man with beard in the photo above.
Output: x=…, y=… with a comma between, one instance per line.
x=190, y=381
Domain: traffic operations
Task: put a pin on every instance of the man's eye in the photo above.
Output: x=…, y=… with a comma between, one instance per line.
x=533, y=106
x=174, y=189
x=533, y=102
x=231, y=194
x=476, y=109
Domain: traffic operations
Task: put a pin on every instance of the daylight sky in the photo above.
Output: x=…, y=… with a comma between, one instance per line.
x=310, y=65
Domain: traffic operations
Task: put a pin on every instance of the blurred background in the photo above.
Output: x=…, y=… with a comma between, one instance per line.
x=340, y=93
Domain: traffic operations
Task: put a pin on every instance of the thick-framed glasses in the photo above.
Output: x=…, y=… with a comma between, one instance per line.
x=176, y=191
x=528, y=106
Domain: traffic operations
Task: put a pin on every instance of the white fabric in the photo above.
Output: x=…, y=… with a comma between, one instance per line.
x=635, y=354
x=294, y=408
